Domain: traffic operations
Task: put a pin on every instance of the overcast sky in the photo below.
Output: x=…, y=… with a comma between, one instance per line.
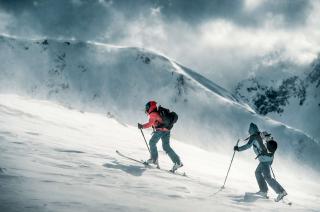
x=222, y=39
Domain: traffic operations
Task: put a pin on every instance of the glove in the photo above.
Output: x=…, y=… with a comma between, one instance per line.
x=140, y=126
x=235, y=148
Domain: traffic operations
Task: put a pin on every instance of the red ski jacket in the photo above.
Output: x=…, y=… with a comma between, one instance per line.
x=154, y=121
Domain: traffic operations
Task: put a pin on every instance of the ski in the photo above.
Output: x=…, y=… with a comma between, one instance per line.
x=138, y=161
x=183, y=174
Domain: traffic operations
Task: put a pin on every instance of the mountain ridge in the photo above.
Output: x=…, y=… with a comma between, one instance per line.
x=290, y=98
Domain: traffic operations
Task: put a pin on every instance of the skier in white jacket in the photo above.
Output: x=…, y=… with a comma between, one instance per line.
x=262, y=172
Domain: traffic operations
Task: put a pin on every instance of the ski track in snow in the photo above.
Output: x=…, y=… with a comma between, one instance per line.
x=57, y=159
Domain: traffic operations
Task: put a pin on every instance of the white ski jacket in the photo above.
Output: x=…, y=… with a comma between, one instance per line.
x=259, y=148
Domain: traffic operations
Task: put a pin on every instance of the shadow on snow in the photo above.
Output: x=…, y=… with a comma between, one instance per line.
x=130, y=169
x=247, y=198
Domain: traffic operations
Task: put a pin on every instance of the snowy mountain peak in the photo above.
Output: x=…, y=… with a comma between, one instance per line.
x=290, y=98
x=144, y=56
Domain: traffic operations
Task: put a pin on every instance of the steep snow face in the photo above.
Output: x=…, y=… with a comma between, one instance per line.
x=290, y=98
x=58, y=159
x=314, y=76
x=118, y=81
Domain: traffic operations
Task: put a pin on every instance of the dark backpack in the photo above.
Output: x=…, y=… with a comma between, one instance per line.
x=272, y=146
x=168, y=118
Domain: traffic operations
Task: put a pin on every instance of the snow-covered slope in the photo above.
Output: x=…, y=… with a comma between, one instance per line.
x=59, y=159
x=118, y=81
x=292, y=97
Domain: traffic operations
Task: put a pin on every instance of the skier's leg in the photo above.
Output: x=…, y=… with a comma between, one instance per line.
x=153, y=145
x=260, y=180
x=167, y=148
x=271, y=181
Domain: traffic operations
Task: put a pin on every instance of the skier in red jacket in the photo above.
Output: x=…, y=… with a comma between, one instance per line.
x=155, y=122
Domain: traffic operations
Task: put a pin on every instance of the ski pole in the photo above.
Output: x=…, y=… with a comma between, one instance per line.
x=234, y=152
x=145, y=141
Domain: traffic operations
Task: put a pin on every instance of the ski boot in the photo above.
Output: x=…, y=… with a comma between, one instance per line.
x=280, y=196
x=151, y=161
x=176, y=166
x=262, y=194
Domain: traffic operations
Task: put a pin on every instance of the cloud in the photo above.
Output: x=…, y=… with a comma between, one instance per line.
x=222, y=39
x=87, y=19
x=240, y=12
x=59, y=18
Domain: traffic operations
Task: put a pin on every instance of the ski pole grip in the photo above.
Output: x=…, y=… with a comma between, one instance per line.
x=238, y=142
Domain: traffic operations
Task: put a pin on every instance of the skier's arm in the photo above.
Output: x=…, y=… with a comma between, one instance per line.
x=151, y=122
x=247, y=145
